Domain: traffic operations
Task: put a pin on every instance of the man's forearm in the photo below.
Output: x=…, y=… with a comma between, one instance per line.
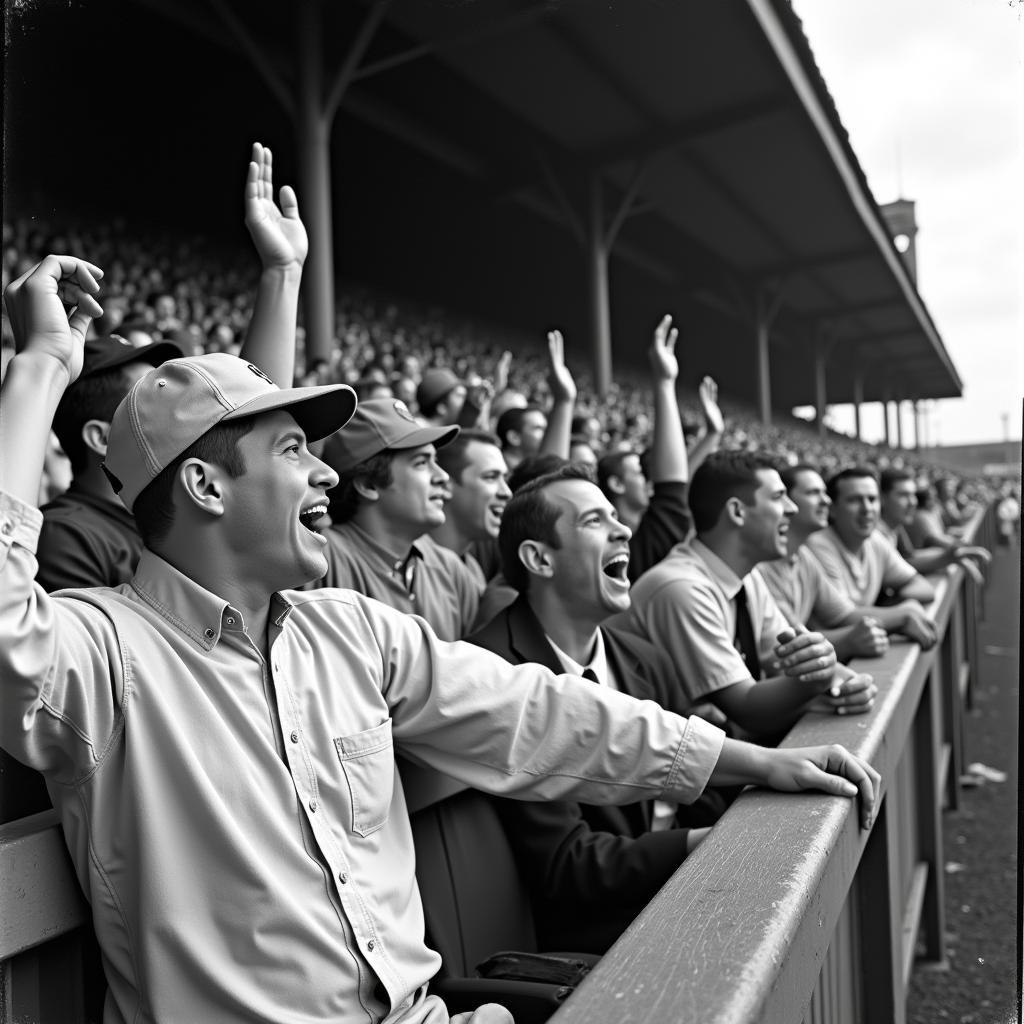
x=669, y=463
x=32, y=389
x=270, y=340
x=769, y=706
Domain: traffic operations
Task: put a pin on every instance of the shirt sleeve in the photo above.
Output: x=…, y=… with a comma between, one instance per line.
x=511, y=729
x=896, y=571
x=831, y=606
x=60, y=668
x=684, y=620
x=665, y=523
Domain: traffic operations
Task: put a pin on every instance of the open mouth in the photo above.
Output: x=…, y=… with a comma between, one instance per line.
x=313, y=518
x=616, y=568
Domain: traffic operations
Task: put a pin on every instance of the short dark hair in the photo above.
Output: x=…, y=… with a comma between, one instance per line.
x=512, y=419
x=791, y=474
x=534, y=466
x=850, y=473
x=452, y=457
x=611, y=465
x=372, y=472
x=530, y=516
x=889, y=478
x=93, y=397
x=721, y=476
x=154, y=507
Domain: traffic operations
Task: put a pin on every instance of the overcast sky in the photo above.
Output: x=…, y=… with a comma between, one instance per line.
x=932, y=95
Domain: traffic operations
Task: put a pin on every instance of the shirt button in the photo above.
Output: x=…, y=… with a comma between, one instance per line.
x=312, y=805
x=294, y=736
x=209, y=633
x=231, y=621
x=370, y=945
x=343, y=878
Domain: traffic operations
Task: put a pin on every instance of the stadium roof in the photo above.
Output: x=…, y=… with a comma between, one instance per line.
x=725, y=169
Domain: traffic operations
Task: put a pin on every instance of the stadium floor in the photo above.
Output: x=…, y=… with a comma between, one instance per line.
x=980, y=983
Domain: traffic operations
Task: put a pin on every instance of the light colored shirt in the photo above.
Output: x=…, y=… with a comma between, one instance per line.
x=804, y=593
x=686, y=607
x=861, y=576
x=238, y=825
x=443, y=590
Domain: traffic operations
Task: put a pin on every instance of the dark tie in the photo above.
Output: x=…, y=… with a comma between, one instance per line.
x=744, y=639
x=589, y=673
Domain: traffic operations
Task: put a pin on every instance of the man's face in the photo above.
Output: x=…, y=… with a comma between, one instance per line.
x=531, y=433
x=636, y=492
x=414, y=500
x=812, y=502
x=766, y=521
x=855, y=512
x=899, y=503
x=589, y=568
x=480, y=496
x=270, y=509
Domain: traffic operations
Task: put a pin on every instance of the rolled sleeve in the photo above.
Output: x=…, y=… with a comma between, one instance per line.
x=695, y=760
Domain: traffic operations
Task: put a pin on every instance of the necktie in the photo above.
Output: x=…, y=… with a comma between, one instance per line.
x=589, y=673
x=744, y=639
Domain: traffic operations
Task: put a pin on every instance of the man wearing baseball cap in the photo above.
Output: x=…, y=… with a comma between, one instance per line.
x=89, y=539
x=221, y=747
x=391, y=493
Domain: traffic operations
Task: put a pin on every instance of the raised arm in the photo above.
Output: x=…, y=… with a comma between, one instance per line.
x=280, y=239
x=563, y=394
x=714, y=424
x=50, y=342
x=669, y=463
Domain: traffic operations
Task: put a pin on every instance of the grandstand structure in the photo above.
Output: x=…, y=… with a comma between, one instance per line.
x=600, y=161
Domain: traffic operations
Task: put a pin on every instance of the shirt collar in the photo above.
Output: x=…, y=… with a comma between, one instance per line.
x=727, y=580
x=598, y=663
x=195, y=611
x=387, y=558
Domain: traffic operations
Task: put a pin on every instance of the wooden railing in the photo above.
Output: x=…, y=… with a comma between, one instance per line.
x=789, y=912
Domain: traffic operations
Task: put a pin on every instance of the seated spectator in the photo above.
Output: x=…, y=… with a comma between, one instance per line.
x=898, y=504
x=590, y=869
x=391, y=493
x=805, y=594
x=854, y=555
x=715, y=618
x=479, y=493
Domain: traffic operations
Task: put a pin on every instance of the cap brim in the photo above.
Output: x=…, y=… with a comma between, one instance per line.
x=437, y=436
x=155, y=354
x=320, y=411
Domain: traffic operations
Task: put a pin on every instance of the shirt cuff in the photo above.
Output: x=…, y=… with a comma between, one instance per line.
x=695, y=760
x=20, y=524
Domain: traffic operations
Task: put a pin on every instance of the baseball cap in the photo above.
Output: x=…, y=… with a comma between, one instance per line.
x=436, y=383
x=381, y=423
x=180, y=400
x=110, y=350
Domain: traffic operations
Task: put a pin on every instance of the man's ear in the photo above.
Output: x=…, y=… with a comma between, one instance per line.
x=203, y=485
x=365, y=490
x=515, y=439
x=615, y=485
x=534, y=555
x=736, y=511
x=95, y=434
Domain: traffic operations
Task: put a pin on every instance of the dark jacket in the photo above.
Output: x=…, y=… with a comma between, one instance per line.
x=591, y=869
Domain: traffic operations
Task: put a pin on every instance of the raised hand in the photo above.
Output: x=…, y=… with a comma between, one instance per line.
x=278, y=233
x=563, y=387
x=37, y=305
x=708, y=393
x=662, y=353
x=501, y=371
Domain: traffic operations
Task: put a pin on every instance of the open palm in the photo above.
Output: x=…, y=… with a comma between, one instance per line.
x=277, y=232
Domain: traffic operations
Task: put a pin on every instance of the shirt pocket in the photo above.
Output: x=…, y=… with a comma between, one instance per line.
x=368, y=761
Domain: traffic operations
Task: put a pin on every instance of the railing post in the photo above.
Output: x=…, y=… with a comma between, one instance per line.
x=880, y=904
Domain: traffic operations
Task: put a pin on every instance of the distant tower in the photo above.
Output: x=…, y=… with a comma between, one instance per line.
x=899, y=215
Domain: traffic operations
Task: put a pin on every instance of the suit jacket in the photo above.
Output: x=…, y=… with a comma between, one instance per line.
x=591, y=869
